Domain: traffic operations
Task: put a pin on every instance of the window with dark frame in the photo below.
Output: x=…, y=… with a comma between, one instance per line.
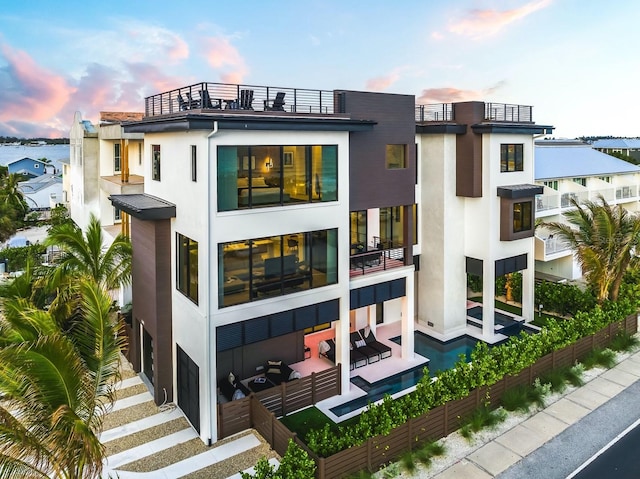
x=396, y=157
x=117, y=159
x=187, y=267
x=522, y=216
x=155, y=162
x=511, y=157
x=194, y=163
x=117, y=214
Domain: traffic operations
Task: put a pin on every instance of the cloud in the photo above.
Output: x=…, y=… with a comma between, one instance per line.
x=150, y=41
x=222, y=55
x=485, y=23
x=381, y=83
x=27, y=90
x=451, y=95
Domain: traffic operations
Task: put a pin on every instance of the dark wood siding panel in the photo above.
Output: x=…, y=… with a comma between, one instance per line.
x=469, y=150
x=371, y=184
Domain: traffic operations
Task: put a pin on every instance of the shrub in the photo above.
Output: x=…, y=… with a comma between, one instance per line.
x=295, y=463
x=480, y=418
x=600, y=357
x=624, y=341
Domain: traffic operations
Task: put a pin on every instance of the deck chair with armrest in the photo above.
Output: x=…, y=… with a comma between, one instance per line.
x=246, y=100
x=360, y=345
x=182, y=104
x=206, y=100
x=277, y=103
x=327, y=348
x=370, y=339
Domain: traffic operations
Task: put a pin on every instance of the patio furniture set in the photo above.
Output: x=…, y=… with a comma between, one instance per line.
x=364, y=349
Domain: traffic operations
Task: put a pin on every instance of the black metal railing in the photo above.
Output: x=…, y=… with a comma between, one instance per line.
x=437, y=112
x=236, y=97
x=385, y=257
x=508, y=113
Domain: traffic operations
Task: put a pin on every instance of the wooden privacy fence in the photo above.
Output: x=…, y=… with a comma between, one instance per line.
x=445, y=419
x=241, y=414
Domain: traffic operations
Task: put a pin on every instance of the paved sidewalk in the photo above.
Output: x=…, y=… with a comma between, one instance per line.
x=555, y=441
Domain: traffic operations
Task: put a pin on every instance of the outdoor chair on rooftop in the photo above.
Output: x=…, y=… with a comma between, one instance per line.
x=206, y=100
x=277, y=104
x=182, y=104
x=246, y=100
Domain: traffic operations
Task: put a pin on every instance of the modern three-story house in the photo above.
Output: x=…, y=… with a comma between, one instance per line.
x=273, y=217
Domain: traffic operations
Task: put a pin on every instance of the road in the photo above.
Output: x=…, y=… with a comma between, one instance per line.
x=575, y=446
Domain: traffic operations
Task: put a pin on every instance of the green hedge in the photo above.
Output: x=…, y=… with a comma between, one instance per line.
x=490, y=365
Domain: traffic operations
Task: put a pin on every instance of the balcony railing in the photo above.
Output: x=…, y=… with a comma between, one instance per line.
x=546, y=202
x=625, y=192
x=438, y=112
x=565, y=199
x=231, y=98
x=606, y=193
x=508, y=113
x=375, y=260
x=554, y=245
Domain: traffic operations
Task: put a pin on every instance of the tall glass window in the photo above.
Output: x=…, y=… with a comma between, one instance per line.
x=187, y=269
x=358, y=231
x=263, y=176
x=255, y=269
x=117, y=160
x=155, y=162
x=391, y=227
x=522, y=218
x=511, y=157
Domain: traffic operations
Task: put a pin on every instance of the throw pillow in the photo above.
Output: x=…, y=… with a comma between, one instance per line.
x=274, y=363
x=232, y=379
x=367, y=330
x=295, y=375
x=273, y=371
x=360, y=343
x=238, y=394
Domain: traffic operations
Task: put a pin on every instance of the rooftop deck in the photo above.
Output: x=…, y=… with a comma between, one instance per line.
x=494, y=112
x=233, y=98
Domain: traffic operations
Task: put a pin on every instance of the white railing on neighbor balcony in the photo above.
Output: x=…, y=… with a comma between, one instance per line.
x=554, y=245
x=547, y=202
x=565, y=199
x=607, y=193
x=626, y=192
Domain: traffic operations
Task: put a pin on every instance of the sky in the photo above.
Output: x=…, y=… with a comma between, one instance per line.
x=574, y=61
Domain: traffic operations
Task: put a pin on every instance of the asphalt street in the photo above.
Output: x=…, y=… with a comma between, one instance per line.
x=572, y=448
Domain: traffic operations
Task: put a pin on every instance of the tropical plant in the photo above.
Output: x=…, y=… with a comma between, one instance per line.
x=603, y=239
x=56, y=385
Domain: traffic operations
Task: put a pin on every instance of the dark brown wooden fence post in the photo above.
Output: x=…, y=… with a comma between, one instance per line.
x=313, y=388
x=446, y=418
x=369, y=467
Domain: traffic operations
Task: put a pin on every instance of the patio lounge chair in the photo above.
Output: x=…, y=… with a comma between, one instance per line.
x=182, y=104
x=360, y=345
x=327, y=348
x=246, y=100
x=206, y=100
x=277, y=103
x=370, y=339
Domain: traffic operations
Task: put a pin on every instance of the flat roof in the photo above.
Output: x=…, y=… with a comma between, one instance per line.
x=144, y=207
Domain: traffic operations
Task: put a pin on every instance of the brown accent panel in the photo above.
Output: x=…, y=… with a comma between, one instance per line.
x=407, y=234
x=469, y=150
x=506, y=219
x=371, y=184
x=151, y=294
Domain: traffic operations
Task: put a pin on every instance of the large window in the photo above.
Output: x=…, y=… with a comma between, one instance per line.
x=155, y=162
x=522, y=217
x=187, y=267
x=259, y=268
x=358, y=231
x=117, y=160
x=511, y=158
x=396, y=156
x=263, y=176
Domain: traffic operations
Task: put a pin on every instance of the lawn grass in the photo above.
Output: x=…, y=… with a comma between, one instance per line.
x=305, y=420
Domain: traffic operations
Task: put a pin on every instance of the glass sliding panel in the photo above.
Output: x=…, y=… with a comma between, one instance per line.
x=294, y=172
x=324, y=256
x=358, y=231
x=193, y=270
x=244, y=163
x=266, y=173
x=234, y=273
x=391, y=227
x=228, y=180
x=266, y=259
x=324, y=162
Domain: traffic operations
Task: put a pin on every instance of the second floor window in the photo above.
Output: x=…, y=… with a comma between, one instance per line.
x=522, y=217
x=187, y=270
x=155, y=162
x=396, y=157
x=117, y=163
x=511, y=157
x=551, y=184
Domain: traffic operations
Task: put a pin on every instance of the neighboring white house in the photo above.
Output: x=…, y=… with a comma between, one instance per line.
x=42, y=192
x=625, y=146
x=570, y=169
x=265, y=228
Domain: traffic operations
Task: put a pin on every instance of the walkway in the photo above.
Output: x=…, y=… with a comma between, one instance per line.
x=555, y=441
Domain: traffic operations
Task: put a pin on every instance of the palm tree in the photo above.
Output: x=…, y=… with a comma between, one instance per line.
x=85, y=254
x=12, y=196
x=604, y=239
x=56, y=386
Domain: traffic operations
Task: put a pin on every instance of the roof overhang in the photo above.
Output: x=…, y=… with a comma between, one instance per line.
x=144, y=207
x=513, y=128
x=246, y=122
x=514, y=192
x=440, y=128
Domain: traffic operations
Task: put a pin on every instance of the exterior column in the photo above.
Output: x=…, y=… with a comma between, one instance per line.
x=408, y=321
x=342, y=343
x=488, y=299
x=528, y=289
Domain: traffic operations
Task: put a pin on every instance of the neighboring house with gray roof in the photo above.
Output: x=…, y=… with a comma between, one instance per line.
x=569, y=169
x=43, y=192
x=626, y=146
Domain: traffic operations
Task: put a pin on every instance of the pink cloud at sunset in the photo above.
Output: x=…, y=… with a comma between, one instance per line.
x=221, y=54
x=381, y=83
x=484, y=23
x=450, y=94
x=29, y=91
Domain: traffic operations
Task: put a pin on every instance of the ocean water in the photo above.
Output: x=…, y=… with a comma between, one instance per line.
x=51, y=152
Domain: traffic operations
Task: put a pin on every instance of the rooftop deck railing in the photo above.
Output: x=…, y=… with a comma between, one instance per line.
x=508, y=113
x=236, y=97
x=438, y=112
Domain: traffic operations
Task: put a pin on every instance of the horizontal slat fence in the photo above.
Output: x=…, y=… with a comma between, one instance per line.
x=442, y=420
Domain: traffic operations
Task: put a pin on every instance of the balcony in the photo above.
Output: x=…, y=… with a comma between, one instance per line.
x=440, y=112
x=375, y=260
x=626, y=192
x=566, y=199
x=550, y=246
x=546, y=203
x=235, y=98
x=115, y=185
